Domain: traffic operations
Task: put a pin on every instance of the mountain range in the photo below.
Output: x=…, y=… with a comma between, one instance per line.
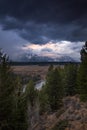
x=37, y=58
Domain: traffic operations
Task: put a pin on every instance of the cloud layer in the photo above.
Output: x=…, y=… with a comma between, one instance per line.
x=58, y=49
x=42, y=22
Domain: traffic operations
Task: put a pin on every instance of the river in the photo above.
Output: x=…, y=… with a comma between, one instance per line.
x=38, y=85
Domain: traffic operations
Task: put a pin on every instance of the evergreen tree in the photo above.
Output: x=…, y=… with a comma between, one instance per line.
x=82, y=74
x=43, y=100
x=54, y=89
x=84, y=53
x=32, y=104
x=51, y=67
x=70, y=78
x=20, y=107
x=6, y=93
x=43, y=94
x=31, y=93
x=12, y=101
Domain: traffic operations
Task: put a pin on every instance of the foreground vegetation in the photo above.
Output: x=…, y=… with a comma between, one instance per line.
x=21, y=110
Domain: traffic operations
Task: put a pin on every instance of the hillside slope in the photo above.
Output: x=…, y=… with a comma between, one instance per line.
x=72, y=116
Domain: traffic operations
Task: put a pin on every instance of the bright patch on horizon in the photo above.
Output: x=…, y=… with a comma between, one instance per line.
x=56, y=49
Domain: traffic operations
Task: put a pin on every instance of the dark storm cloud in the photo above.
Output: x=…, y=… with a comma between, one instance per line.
x=41, y=21
x=41, y=11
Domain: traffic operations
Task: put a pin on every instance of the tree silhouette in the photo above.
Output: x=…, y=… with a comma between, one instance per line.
x=82, y=75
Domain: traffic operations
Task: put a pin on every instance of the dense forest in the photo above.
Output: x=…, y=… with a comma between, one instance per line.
x=22, y=110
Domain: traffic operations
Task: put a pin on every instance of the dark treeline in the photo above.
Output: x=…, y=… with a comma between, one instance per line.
x=20, y=110
x=15, y=63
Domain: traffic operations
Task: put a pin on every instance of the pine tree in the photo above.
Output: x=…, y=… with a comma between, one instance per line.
x=32, y=104
x=82, y=74
x=70, y=78
x=20, y=107
x=54, y=89
x=43, y=100
x=31, y=93
x=6, y=93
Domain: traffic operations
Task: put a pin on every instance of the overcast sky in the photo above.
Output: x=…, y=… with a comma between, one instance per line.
x=43, y=27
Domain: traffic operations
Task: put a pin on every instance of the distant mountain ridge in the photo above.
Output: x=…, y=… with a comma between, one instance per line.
x=37, y=58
